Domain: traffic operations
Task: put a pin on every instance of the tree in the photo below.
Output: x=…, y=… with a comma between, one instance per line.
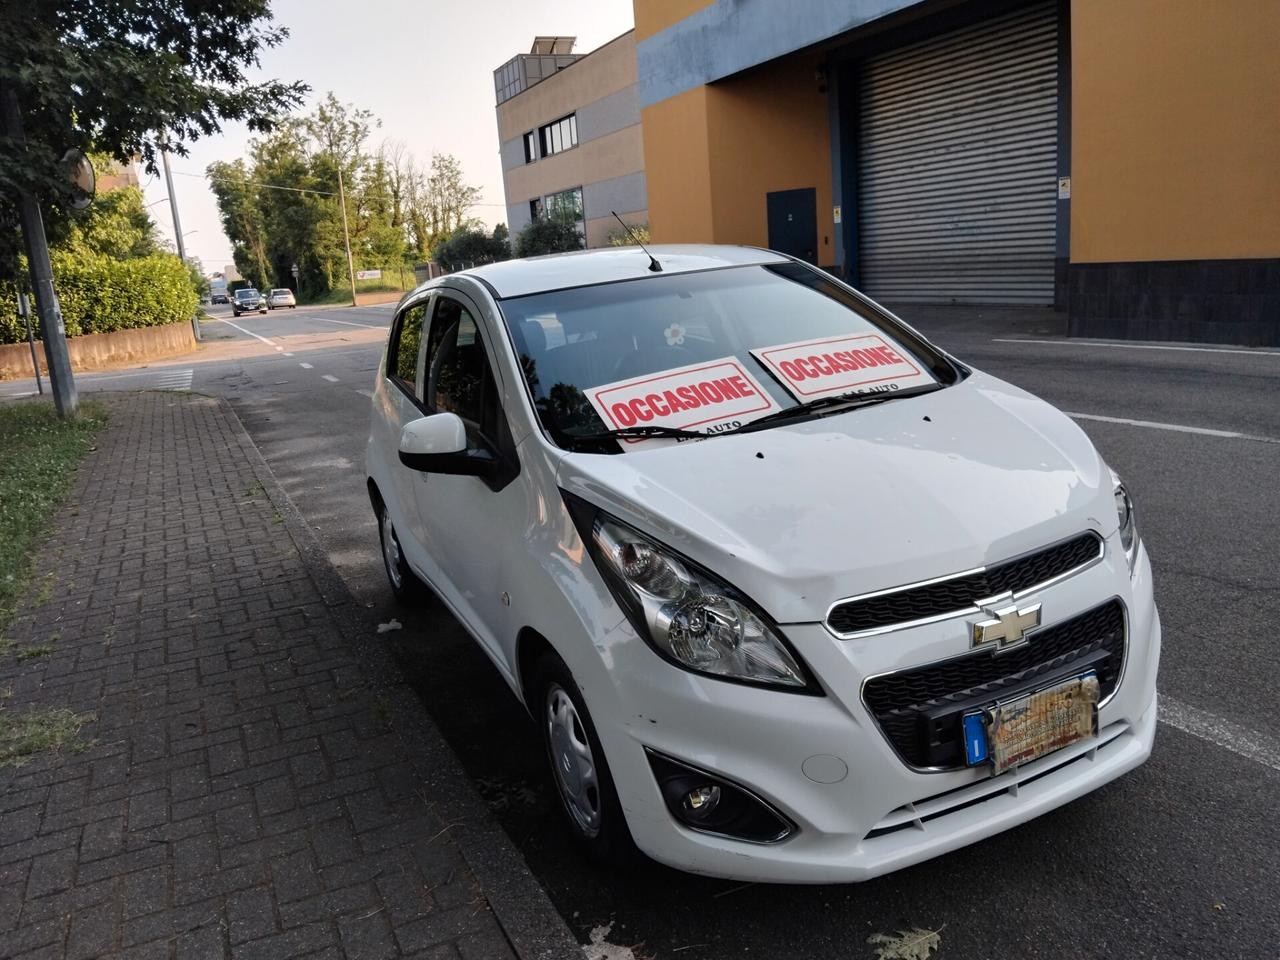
x=468, y=247
x=623, y=238
x=126, y=78
x=439, y=202
x=547, y=235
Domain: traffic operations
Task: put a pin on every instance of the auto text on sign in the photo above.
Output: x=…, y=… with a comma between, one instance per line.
x=814, y=368
x=706, y=397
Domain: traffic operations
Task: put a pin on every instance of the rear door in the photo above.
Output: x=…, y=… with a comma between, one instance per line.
x=397, y=402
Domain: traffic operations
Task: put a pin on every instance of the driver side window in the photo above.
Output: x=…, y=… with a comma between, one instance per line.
x=457, y=374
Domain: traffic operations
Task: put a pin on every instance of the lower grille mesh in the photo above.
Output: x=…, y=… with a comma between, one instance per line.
x=906, y=704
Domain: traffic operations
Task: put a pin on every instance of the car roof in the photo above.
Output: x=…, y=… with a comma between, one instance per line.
x=581, y=268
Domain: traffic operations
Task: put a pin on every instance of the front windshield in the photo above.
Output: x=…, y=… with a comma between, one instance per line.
x=706, y=352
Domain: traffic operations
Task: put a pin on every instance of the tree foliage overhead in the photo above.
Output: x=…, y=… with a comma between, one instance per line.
x=547, y=235
x=126, y=77
x=470, y=247
x=279, y=206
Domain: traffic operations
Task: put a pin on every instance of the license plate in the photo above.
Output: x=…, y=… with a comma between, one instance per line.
x=1018, y=731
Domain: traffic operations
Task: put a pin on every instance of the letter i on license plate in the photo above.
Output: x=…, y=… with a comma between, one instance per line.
x=1020, y=730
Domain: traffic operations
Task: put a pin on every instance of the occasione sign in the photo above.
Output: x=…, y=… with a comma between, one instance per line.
x=705, y=397
x=815, y=368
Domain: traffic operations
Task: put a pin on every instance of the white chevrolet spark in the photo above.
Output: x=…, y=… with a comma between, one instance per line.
x=792, y=594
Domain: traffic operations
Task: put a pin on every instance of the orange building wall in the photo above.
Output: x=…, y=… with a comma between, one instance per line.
x=653, y=16
x=714, y=152
x=1175, y=151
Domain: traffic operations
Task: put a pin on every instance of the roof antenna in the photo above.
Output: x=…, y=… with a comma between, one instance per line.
x=654, y=265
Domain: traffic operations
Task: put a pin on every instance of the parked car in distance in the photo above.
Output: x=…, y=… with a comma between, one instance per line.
x=219, y=298
x=792, y=594
x=247, y=300
x=280, y=297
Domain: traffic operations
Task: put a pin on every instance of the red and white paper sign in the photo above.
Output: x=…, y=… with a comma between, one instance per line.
x=705, y=397
x=816, y=368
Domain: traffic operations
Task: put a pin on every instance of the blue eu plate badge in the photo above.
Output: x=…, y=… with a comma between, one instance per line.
x=975, y=739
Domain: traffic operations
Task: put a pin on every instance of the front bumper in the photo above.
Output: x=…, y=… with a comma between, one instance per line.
x=882, y=815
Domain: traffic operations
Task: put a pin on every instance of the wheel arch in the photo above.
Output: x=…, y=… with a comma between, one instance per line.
x=531, y=646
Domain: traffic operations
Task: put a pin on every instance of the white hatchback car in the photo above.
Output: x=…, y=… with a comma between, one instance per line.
x=792, y=594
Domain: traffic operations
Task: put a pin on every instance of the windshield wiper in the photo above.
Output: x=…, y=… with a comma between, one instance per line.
x=639, y=433
x=846, y=401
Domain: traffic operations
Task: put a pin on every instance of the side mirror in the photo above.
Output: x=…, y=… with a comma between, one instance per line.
x=438, y=444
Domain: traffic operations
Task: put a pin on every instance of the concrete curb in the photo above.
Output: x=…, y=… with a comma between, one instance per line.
x=534, y=928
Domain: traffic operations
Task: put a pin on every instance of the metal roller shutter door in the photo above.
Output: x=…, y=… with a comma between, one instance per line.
x=957, y=165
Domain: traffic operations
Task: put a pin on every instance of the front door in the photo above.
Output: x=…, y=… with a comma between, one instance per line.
x=793, y=222
x=467, y=525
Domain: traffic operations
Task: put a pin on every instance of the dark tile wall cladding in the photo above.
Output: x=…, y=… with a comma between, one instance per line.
x=1205, y=301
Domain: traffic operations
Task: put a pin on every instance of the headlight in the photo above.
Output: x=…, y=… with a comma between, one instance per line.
x=1128, y=521
x=689, y=616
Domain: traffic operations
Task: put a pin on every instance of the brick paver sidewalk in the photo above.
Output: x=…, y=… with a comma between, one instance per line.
x=247, y=792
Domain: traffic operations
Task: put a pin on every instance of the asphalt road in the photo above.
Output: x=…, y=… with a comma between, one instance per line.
x=1179, y=859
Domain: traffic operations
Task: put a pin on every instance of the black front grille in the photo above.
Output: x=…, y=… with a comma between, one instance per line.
x=961, y=593
x=920, y=710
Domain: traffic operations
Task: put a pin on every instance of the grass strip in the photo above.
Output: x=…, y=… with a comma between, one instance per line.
x=39, y=453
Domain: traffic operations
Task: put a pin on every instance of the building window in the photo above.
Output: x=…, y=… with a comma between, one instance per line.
x=565, y=205
x=535, y=208
x=530, y=148
x=558, y=136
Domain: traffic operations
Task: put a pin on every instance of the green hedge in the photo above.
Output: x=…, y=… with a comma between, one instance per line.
x=99, y=295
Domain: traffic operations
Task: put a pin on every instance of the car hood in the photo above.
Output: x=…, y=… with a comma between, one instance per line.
x=801, y=515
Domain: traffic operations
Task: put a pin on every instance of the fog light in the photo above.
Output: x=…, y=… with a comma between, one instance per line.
x=701, y=801
x=710, y=803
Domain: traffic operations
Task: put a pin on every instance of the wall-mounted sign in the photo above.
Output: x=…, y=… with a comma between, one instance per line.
x=835, y=213
x=1064, y=188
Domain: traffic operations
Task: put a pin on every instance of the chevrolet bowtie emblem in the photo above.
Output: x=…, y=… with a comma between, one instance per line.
x=1008, y=626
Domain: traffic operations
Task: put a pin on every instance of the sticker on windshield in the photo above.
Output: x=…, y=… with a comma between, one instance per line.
x=706, y=397
x=865, y=363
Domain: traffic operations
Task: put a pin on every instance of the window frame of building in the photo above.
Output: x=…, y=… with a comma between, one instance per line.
x=536, y=208
x=530, y=147
x=558, y=135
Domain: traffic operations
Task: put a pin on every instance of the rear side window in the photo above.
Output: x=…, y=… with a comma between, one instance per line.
x=406, y=345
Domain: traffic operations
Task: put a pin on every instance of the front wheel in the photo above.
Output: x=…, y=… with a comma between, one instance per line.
x=578, y=766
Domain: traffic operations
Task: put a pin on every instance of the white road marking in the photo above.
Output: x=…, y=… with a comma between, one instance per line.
x=304, y=366
x=348, y=323
x=1138, y=346
x=366, y=393
x=288, y=354
x=330, y=377
x=249, y=332
x=1178, y=427
x=177, y=380
x=1231, y=736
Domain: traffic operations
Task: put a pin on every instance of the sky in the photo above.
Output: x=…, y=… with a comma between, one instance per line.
x=424, y=68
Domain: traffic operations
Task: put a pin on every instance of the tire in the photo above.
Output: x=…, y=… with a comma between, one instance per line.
x=582, y=781
x=405, y=584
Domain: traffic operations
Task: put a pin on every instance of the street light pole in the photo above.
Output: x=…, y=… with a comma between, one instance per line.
x=346, y=237
x=177, y=231
x=52, y=331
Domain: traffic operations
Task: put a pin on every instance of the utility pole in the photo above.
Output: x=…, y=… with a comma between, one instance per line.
x=177, y=230
x=346, y=237
x=52, y=331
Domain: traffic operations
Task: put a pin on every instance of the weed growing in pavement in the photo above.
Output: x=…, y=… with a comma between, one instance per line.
x=35, y=650
x=27, y=732
x=39, y=454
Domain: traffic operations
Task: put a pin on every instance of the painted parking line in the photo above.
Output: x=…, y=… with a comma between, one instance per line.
x=1137, y=346
x=237, y=326
x=330, y=377
x=351, y=323
x=1223, y=733
x=1176, y=427
x=304, y=366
